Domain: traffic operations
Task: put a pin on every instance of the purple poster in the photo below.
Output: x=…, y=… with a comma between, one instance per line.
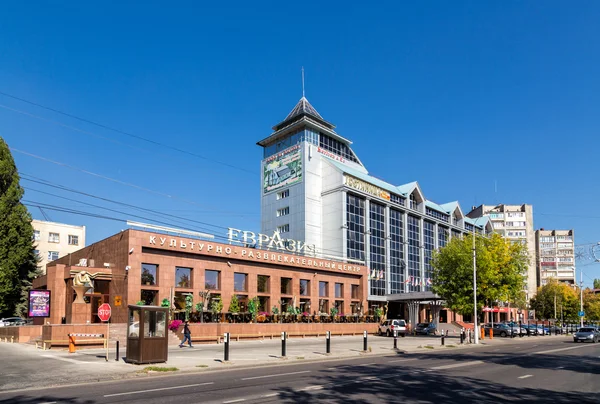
x=39, y=303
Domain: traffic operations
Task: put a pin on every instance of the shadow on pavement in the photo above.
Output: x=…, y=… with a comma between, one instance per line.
x=23, y=399
x=403, y=385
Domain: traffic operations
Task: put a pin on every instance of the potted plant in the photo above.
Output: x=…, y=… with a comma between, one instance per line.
x=333, y=312
x=216, y=307
x=234, y=307
x=275, y=313
x=253, y=307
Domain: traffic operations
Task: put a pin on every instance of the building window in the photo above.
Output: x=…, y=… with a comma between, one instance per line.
x=36, y=235
x=286, y=286
x=36, y=253
x=263, y=284
x=52, y=255
x=149, y=297
x=305, y=305
x=413, y=201
x=304, y=287
x=73, y=240
x=283, y=228
x=283, y=194
x=263, y=304
x=355, y=291
x=339, y=290
x=283, y=211
x=377, y=267
x=53, y=238
x=339, y=305
x=243, y=303
x=212, y=279
x=240, y=282
x=397, y=264
x=438, y=215
x=355, y=222
x=324, y=306
x=336, y=147
x=323, y=289
x=149, y=274
x=428, y=243
x=397, y=199
x=183, y=277
x=414, y=258
x=442, y=237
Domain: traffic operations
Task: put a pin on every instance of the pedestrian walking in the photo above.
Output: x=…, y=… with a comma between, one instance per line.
x=187, y=335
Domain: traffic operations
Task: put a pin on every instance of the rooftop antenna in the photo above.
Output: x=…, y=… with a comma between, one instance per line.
x=302, y=81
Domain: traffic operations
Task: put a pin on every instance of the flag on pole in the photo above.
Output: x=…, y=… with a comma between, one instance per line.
x=373, y=274
x=429, y=281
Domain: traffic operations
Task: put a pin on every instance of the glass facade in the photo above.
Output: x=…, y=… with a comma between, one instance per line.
x=442, y=236
x=397, y=265
x=355, y=220
x=336, y=147
x=414, y=257
x=429, y=245
x=377, y=240
x=291, y=140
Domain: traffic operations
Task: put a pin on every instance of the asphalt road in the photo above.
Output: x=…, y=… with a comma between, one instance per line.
x=557, y=371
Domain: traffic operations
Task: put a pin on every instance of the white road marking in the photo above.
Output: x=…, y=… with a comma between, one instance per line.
x=312, y=388
x=278, y=375
x=49, y=402
x=270, y=395
x=560, y=367
x=64, y=359
x=457, y=365
x=561, y=349
x=525, y=376
x=161, y=389
x=239, y=400
x=368, y=364
x=402, y=360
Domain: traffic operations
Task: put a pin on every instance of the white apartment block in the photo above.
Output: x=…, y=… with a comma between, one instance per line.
x=515, y=223
x=555, y=255
x=54, y=240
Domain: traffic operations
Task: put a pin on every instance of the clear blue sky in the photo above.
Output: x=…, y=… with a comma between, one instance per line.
x=455, y=95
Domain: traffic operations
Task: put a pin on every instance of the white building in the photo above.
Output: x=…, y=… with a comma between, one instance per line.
x=555, y=256
x=54, y=240
x=515, y=223
x=316, y=189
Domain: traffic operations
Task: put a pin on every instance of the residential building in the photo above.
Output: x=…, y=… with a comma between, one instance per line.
x=315, y=188
x=515, y=223
x=555, y=252
x=55, y=240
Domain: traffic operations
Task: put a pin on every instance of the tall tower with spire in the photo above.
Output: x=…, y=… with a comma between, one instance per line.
x=292, y=175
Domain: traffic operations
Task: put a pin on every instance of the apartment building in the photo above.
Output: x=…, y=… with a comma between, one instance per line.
x=555, y=252
x=55, y=240
x=515, y=223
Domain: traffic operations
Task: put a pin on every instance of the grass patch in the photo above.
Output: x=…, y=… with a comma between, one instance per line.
x=299, y=357
x=451, y=346
x=428, y=347
x=201, y=366
x=148, y=369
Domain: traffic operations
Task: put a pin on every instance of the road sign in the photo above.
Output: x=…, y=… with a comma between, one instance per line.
x=581, y=313
x=104, y=312
x=118, y=300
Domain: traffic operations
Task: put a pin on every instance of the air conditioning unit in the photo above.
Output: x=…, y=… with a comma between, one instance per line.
x=82, y=262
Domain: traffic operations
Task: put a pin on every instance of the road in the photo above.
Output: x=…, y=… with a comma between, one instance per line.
x=556, y=371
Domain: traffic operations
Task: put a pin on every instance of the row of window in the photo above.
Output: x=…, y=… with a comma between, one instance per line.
x=283, y=211
x=438, y=215
x=55, y=237
x=212, y=281
x=335, y=146
x=52, y=255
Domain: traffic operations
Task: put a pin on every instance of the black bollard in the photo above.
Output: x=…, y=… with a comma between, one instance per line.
x=395, y=339
x=537, y=328
x=443, y=337
x=328, y=342
x=283, y=338
x=226, y=344
x=365, y=341
x=528, y=330
x=520, y=328
x=117, y=356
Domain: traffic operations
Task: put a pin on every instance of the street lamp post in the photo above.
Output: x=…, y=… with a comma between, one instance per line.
x=475, y=330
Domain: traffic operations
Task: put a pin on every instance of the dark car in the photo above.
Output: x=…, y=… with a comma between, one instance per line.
x=498, y=330
x=587, y=334
x=425, y=329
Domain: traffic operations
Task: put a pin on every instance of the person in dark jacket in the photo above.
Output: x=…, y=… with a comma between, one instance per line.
x=187, y=335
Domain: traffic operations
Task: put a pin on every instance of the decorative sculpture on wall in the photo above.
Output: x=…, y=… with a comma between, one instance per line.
x=82, y=282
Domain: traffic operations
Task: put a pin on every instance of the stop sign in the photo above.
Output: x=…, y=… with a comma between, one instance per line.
x=104, y=312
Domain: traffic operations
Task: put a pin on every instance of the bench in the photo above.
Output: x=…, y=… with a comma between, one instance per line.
x=89, y=339
x=12, y=339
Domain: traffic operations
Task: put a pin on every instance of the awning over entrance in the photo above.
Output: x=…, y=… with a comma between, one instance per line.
x=414, y=299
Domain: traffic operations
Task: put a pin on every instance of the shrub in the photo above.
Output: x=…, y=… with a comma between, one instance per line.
x=174, y=325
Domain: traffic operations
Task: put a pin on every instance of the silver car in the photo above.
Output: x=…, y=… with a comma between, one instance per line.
x=587, y=334
x=5, y=322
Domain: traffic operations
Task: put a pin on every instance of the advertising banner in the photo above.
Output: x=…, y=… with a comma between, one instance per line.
x=282, y=169
x=39, y=303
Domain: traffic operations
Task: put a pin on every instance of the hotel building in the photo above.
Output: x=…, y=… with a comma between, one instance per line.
x=315, y=188
x=555, y=252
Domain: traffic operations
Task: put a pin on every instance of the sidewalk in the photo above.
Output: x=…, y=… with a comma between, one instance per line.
x=56, y=366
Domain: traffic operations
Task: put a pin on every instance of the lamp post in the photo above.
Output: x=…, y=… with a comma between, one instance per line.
x=475, y=330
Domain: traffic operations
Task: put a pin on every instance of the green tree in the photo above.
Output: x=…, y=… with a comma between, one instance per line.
x=500, y=268
x=234, y=305
x=596, y=283
x=566, y=298
x=591, y=305
x=18, y=262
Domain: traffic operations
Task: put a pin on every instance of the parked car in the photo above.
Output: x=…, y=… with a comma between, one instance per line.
x=532, y=329
x=425, y=329
x=542, y=330
x=589, y=334
x=389, y=326
x=516, y=329
x=9, y=321
x=498, y=329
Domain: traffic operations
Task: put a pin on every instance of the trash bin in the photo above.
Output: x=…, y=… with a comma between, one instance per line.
x=147, y=338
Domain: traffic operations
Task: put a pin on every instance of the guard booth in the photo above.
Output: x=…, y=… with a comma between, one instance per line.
x=147, y=338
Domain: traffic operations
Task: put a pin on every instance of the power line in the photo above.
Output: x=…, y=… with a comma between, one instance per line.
x=122, y=132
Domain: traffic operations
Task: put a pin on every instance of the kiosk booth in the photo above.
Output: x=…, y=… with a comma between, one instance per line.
x=147, y=338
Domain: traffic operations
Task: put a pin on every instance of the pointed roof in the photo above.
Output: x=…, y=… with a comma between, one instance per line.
x=303, y=108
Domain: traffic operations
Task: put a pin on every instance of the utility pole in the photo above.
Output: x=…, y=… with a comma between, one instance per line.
x=475, y=329
x=581, y=297
x=555, y=304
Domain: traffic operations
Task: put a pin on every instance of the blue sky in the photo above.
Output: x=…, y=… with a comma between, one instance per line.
x=458, y=96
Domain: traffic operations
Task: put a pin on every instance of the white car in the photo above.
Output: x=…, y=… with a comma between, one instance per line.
x=10, y=321
x=389, y=326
